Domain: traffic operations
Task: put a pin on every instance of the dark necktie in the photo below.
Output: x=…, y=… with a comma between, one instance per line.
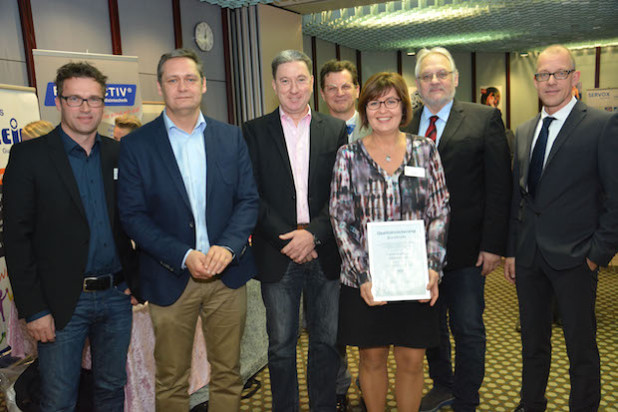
x=432, y=132
x=538, y=156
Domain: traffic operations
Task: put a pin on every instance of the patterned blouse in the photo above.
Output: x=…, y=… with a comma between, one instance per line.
x=362, y=192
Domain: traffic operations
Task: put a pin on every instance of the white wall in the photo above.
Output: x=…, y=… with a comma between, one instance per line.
x=146, y=31
x=12, y=58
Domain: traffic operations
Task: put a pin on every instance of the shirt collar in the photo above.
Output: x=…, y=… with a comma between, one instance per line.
x=561, y=114
x=71, y=145
x=286, y=117
x=443, y=114
x=352, y=120
x=169, y=124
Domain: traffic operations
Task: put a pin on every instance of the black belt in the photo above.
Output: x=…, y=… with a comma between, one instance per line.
x=104, y=282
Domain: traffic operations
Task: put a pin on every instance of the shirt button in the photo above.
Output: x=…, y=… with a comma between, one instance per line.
x=191, y=225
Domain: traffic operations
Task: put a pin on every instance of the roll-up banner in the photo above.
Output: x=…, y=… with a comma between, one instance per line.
x=123, y=94
x=604, y=99
x=18, y=107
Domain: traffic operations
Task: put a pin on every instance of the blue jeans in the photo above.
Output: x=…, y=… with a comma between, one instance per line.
x=462, y=297
x=282, y=301
x=105, y=317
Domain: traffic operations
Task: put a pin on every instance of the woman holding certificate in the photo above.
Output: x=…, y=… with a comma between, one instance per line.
x=395, y=179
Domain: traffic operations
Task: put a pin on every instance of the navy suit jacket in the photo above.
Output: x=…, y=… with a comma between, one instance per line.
x=155, y=211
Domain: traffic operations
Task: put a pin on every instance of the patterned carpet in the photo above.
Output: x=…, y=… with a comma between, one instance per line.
x=502, y=380
x=500, y=391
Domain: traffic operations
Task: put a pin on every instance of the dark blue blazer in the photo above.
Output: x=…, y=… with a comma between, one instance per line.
x=155, y=211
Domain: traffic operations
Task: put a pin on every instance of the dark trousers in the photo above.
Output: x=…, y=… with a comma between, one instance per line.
x=462, y=298
x=575, y=291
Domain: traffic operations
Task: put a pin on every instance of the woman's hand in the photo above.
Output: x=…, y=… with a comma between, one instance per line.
x=432, y=287
x=365, y=291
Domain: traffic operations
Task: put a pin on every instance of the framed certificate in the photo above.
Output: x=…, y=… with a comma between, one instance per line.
x=398, y=260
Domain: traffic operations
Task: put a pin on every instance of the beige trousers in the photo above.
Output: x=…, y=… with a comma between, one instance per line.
x=223, y=312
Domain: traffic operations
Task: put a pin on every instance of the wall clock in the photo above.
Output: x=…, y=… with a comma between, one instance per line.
x=204, y=38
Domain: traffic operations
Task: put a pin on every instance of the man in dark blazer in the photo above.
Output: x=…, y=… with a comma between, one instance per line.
x=293, y=152
x=187, y=196
x=564, y=225
x=67, y=257
x=475, y=156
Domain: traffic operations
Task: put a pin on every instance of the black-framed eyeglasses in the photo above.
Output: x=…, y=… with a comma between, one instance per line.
x=441, y=75
x=390, y=103
x=76, y=101
x=559, y=75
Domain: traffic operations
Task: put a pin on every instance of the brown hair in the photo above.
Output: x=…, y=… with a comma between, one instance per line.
x=36, y=129
x=378, y=85
x=128, y=121
x=80, y=70
x=336, y=66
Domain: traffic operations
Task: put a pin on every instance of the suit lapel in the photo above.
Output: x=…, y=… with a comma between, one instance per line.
x=107, y=171
x=316, y=137
x=162, y=144
x=275, y=131
x=61, y=162
x=454, y=121
x=527, y=151
x=211, y=146
x=577, y=115
x=416, y=122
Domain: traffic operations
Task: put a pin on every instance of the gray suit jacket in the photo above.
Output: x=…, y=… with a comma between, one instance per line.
x=575, y=212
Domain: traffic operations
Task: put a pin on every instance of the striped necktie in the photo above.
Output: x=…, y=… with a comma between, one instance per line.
x=432, y=132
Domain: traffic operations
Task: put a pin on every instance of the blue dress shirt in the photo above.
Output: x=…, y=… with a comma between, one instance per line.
x=190, y=153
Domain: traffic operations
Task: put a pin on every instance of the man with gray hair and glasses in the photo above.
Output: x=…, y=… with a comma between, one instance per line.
x=563, y=226
x=293, y=152
x=475, y=156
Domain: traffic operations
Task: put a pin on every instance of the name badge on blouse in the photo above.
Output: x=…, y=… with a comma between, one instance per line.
x=413, y=171
x=115, y=173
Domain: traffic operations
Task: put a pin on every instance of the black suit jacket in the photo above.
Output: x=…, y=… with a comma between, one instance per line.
x=476, y=160
x=275, y=182
x=46, y=233
x=574, y=214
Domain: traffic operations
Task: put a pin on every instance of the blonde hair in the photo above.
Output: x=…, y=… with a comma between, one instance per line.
x=128, y=121
x=36, y=129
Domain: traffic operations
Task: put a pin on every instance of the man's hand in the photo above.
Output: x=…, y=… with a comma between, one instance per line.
x=196, y=263
x=217, y=259
x=509, y=269
x=593, y=266
x=489, y=262
x=134, y=301
x=42, y=329
x=432, y=287
x=365, y=291
x=300, y=247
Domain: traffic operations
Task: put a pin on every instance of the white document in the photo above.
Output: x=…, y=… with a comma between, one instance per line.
x=398, y=260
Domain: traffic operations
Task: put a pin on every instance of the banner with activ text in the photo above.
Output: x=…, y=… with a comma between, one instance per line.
x=604, y=99
x=123, y=94
x=18, y=107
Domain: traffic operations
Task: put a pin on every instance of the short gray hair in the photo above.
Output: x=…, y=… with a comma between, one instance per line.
x=188, y=53
x=556, y=49
x=423, y=53
x=288, y=56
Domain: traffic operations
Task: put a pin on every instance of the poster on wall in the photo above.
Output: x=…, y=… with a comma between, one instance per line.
x=492, y=96
x=18, y=107
x=604, y=99
x=123, y=94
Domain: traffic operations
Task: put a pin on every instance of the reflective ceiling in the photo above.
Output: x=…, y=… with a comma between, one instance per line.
x=460, y=25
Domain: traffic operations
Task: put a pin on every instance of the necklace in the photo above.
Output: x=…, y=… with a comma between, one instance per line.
x=387, y=155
